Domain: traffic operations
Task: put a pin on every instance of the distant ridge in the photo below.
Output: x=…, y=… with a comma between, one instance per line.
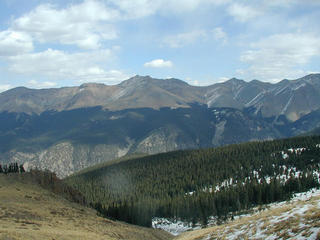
x=292, y=98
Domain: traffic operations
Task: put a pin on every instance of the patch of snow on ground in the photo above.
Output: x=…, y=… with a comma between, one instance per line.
x=190, y=193
x=296, y=150
x=174, y=227
x=298, y=210
x=306, y=195
x=285, y=155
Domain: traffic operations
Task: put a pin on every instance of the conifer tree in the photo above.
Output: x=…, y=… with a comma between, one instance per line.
x=21, y=168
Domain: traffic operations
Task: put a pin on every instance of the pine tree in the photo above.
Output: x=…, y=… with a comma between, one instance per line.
x=21, y=168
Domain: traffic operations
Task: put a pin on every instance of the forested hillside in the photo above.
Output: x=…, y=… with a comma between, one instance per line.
x=192, y=185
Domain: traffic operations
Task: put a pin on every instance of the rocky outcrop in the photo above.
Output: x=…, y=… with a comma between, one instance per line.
x=65, y=158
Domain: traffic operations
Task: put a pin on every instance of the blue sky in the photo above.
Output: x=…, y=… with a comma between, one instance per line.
x=47, y=44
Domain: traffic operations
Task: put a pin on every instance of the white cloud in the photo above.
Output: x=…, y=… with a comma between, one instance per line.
x=288, y=3
x=222, y=79
x=190, y=81
x=158, y=63
x=13, y=43
x=183, y=39
x=220, y=35
x=5, y=87
x=103, y=76
x=36, y=84
x=185, y=6
x=205, y=81
x=137, y=8
x=60, y=65
x=281, y=55
x=144, y=8
x=85, y=25
x=91, y=22
x=243, y=13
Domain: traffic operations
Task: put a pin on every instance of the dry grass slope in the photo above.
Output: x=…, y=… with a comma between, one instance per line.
x=28, y=211
x=298, y=219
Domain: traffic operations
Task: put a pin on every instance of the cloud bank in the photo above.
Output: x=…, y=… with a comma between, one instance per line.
x=159, y=63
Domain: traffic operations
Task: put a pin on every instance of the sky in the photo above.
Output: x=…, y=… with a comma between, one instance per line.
x=46, y=43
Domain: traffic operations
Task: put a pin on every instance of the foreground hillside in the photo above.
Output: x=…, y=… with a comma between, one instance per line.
x=28, y=211
x=295, y=219
x=193, y=186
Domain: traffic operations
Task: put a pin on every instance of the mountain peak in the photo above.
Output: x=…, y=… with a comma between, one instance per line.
x=90, y=85
x=313, y=78
x=137, y=79
x=312, y=75
x=235, y=81
x=17, y=90
x=176, y=81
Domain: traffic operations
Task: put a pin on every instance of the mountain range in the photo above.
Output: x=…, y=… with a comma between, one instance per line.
x=67, y=129
x=292, y=99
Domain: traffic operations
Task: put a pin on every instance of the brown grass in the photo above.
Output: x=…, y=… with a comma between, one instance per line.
x=30, y=212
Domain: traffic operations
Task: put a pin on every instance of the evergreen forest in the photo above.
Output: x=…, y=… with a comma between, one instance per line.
x=193, y=185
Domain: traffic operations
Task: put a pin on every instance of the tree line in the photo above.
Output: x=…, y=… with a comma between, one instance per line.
x=11, y=168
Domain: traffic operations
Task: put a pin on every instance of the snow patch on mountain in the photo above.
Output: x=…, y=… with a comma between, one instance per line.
x=287, y=105
x=256, y=99
x=298, y=86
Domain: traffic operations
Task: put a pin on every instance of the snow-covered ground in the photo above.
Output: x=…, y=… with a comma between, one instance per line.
x=280, y=212
x=175, y=227
x=294, y=219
